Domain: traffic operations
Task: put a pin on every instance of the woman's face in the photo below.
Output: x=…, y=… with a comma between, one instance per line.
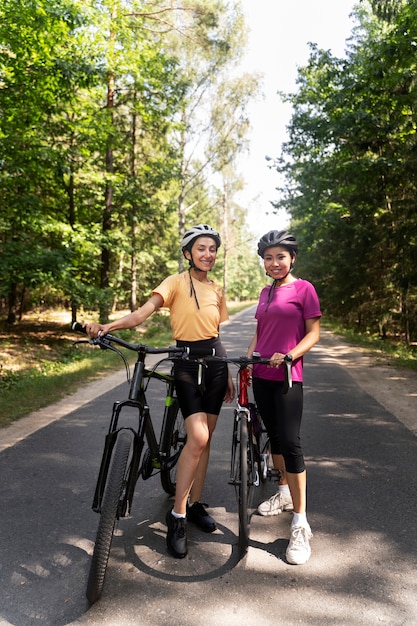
x=277, y=262
x=204, y=253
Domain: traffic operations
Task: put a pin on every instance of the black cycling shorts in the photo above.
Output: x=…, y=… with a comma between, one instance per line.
x=206, y=397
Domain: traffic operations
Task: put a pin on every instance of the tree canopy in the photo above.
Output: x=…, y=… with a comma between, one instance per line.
x=350, y=168
x=100, y=107
x=120, y=125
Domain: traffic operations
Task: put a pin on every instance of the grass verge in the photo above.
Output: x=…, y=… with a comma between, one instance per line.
x=41, y=365
x=390, y=351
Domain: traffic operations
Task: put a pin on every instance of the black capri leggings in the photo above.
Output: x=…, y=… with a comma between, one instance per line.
x=281, y=414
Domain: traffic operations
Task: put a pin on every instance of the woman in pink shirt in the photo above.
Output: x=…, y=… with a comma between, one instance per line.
x=288, y=326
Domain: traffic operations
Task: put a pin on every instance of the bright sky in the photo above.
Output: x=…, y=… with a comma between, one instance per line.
x=279, y=34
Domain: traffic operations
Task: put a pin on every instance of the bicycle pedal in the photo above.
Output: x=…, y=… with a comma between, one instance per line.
x=274, y=474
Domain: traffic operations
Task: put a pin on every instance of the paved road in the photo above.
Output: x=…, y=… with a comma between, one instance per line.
x=362, y=483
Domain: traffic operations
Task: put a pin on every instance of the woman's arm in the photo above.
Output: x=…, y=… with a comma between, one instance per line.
x=128, y=321
x=251, y=346
x=311, y=337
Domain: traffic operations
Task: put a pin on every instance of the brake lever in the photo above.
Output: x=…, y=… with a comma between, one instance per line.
x=107, y=345
x=75, y=343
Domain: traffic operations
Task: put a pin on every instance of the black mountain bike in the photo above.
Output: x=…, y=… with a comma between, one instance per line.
x=124, y=459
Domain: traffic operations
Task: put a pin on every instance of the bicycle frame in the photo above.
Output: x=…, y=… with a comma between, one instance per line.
x=242, y=411
x=244, y=376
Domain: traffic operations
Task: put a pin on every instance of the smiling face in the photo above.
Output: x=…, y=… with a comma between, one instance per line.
x=278, y=262
x=203, y=253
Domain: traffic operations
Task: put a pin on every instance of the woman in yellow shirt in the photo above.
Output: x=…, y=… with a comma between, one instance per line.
x=197, y=307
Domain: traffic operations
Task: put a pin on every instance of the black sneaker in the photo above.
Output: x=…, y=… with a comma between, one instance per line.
x=176, y=535
x=197, y=514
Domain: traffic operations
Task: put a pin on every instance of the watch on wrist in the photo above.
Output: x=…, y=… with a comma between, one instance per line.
x=288, y=358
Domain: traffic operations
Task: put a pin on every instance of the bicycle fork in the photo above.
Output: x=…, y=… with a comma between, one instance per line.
x=109, y=444
x=243, y=412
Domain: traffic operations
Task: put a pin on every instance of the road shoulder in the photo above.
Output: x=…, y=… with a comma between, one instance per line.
x=395, y=389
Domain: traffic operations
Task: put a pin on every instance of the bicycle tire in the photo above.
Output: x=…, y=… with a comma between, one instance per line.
x=173, y=440
x=243, y=484
x=110, y=510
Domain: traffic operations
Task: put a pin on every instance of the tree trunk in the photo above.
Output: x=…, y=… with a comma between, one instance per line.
x=108, y=200
x=11, y=304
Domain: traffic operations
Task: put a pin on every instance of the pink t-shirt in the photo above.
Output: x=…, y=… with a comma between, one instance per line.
x=281, y=324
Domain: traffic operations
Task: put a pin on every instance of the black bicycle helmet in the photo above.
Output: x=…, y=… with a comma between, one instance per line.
x=278, y=238
x=201, y=230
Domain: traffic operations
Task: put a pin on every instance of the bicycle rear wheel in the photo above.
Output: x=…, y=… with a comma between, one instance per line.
x=173, y=440
x=110, y=511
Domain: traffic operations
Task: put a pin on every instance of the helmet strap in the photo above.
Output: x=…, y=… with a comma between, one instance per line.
x=193, y=266
x=192, y=289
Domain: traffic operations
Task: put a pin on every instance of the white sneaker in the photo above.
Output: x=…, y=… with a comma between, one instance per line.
x=299, y=551
x=276, y=504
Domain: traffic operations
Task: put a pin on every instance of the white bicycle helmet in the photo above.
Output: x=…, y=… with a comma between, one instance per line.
x=201, y=230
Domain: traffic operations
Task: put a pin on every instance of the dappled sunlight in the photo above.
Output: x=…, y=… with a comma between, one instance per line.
x=36, y=569
x=360, y=499
x=340, y=573
x=335, y=468
x=87, y=545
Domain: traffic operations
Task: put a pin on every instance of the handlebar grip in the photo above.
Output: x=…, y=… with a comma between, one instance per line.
x=288, y=375
x=79, y=328
x=288, y=367
x=199, y=352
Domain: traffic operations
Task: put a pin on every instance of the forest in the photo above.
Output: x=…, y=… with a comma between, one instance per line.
x=116, y=118
x=350, y=172
x=121, y=122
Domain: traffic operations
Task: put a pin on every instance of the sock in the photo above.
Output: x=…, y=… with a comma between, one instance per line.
x=178, y=515
x=284, y=489
x=300, y=519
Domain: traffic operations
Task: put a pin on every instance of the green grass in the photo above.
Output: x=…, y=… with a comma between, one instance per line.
x=54, y=368
x=390, y=350
x=30, y=388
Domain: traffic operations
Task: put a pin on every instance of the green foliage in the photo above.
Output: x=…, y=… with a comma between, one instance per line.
x=351, y=170
x=92, y=96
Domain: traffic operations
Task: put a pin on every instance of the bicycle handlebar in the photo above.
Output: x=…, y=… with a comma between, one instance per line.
x=102, y=340
x=244, y=361
x=187, y=352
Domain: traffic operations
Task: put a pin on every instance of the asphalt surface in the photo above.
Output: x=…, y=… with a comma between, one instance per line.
x=362, y=507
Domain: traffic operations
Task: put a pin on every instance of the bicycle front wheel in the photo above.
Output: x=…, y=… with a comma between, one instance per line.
x=110, y=511
x=242, y=457
x=173, y=440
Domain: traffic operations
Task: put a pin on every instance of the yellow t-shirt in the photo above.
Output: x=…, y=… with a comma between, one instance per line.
x=188, y=322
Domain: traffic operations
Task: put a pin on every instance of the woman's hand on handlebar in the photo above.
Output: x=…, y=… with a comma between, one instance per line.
x=94, y=329
x=277, y=359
